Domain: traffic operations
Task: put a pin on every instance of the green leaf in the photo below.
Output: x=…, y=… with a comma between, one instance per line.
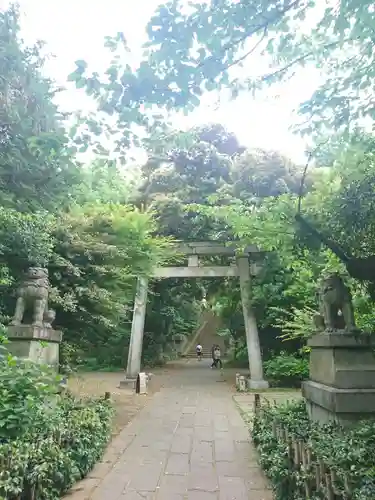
x=81, y=65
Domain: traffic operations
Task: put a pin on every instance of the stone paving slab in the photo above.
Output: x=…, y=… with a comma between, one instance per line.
x=188, y=443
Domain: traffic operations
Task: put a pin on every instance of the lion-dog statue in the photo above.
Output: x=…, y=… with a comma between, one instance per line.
x=33, y=293
x=334, y=297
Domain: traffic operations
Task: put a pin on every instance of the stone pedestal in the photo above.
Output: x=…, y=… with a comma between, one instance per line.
x=37, y=344
x=128, y=383
x=342, y=378
x=257, y=384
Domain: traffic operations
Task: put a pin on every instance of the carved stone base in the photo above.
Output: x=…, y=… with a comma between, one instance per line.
x=128, y=383
x=343, y=360
x=342, y=378
x=257, y=384
x=344, y=406
x=38, y=344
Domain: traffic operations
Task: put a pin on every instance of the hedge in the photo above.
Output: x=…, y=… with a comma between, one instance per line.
x=42, y=466
x=306, y=461
x=48, y=441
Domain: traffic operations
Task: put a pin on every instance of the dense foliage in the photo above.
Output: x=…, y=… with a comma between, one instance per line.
x=102, y=226
x=48, y=441
x=348, y=454
x=76, y=220
x=97, y=227
x=99, y=251
x=36, y=167
x=204, y=185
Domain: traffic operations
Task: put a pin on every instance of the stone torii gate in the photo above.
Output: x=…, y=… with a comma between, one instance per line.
x=244, y=268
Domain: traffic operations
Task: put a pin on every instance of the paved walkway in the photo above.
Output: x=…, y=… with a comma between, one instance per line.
x=188, y=443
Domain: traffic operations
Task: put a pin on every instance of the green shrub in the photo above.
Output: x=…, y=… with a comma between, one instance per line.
x=25, y=395
x=48, y=441
x=287, y=370
x=349, y=453
x=43, y=465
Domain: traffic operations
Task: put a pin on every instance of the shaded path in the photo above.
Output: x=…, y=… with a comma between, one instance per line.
x=189, y=442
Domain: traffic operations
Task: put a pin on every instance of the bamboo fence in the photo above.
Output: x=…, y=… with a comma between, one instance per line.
x=315, y=478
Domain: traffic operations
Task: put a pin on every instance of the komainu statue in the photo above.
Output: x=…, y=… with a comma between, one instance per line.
x=33, y=294
x=334, y=297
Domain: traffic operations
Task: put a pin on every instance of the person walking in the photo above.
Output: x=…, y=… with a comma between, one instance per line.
x=216, y=357
x=198, y=350
x=212, y=355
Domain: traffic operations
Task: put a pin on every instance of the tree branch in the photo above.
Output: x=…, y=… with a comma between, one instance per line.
x=304, y=57
x=251, y=51
x=253, y=31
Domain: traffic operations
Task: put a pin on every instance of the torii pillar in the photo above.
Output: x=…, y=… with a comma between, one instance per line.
x=256, y=380
x=136, y=337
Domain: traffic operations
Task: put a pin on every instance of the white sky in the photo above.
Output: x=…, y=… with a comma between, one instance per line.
x=75, y=29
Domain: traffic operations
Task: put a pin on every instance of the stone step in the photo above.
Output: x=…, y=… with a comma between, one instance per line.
x=206, y=354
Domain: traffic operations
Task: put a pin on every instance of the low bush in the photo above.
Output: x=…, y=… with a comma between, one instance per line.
x=25, y=389
x=305, y=460
x=287, y=370
x=48, y=440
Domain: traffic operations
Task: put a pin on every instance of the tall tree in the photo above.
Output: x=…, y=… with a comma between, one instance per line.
x=258, y=173
x=36, y=169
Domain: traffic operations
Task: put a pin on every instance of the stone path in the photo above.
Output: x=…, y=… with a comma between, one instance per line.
x=188, y=443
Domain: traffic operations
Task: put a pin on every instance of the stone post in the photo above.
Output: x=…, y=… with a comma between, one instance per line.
x=136, y=337
x=256, y=380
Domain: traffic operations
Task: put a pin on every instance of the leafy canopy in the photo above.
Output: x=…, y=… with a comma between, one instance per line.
x=36, y=168
x=194, y=48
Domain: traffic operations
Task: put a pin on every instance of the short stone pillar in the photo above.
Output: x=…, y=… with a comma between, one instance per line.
x=242, y=387
x=342, y=378
x=141, y=383
x=37, y=344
